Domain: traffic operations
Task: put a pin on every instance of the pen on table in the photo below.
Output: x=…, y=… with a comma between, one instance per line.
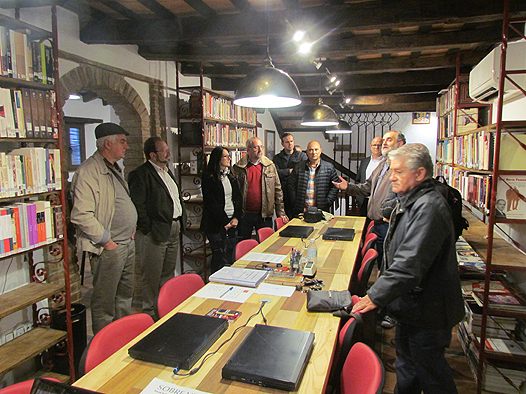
x=231, y=288
x=330, y=294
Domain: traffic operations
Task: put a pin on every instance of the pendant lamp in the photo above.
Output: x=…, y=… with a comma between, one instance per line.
x=341, y=128
x=320, y=115
x=267, y=86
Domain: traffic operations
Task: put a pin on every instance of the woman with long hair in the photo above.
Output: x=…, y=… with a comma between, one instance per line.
x=222, y=206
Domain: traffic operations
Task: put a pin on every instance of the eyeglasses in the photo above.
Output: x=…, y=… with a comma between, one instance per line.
x=257, y=147
x=377, y=145
x=226, y=156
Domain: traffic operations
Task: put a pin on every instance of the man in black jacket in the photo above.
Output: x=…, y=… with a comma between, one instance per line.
x=311, y=182
x=419, y=284
x=161, y=216
x=285, y=161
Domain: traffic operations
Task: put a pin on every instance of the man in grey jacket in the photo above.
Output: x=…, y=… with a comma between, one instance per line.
x=105, y=218
x=419, y=284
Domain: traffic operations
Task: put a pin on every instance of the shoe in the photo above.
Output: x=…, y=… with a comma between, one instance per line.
x=388, y=322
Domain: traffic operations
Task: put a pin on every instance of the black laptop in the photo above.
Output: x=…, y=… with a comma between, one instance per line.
x=271, y=356
x=296, y=231
x=339, y=234
x=180, y=341
x=45, y=386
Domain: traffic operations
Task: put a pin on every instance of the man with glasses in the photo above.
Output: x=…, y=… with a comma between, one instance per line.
x=162, y=215
x=260, y=188
x=367, y=166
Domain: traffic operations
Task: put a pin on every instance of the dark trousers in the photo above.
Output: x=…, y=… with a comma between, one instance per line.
x=222, y=244
x=380, y=229
x=251, y=221
x=420, y=361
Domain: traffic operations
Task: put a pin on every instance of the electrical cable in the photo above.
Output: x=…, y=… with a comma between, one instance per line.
x=196, y=369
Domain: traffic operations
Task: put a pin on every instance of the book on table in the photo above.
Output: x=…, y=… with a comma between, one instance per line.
x=239, y=276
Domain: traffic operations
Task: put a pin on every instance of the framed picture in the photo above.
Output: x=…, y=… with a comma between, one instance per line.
x=421, y=117
x=270, y=147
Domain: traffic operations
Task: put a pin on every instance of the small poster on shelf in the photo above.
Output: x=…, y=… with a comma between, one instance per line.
x=511, y=197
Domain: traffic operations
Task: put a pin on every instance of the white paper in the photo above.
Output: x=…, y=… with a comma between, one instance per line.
x=225, y=292
x=159, y=386
x=276, y=290
x=265, y=257
x=239, y=276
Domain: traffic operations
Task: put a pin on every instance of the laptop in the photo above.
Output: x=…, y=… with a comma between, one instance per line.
x=339, y=234
x=296, y=231
x=180, y=341
x=271, y=356
x=45, y=386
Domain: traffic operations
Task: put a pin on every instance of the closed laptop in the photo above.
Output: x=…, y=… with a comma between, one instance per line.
x=271, y=356
x=339, y=234
x=296, y=231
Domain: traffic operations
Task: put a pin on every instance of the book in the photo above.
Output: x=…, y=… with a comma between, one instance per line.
x=511, y=196
x=239, y=276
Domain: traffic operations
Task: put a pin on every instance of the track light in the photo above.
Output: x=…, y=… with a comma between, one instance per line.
x=345, y=102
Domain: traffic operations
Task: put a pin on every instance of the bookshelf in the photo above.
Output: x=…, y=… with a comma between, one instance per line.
x=205, y=119
x=487, y=163
x=32, y=197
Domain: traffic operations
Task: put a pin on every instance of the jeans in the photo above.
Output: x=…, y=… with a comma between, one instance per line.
x=251, y=221
x=421, y=364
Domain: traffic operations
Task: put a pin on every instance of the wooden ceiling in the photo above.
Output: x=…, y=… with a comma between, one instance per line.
x=391, y=56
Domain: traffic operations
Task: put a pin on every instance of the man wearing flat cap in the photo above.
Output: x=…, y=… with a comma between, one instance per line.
x=105, y=218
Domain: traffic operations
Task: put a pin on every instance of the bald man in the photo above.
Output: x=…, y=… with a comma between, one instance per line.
x=367, y=166
x=311, y=182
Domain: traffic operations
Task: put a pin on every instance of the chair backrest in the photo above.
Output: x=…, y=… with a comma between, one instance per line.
x=369, y=260
x=177, y=290
x=245, y=246
x=279, y=223
x=22, y=387
x=114, y=336
x=369, y=243
x=369, y=228
x=363, y=372
x=264, y=233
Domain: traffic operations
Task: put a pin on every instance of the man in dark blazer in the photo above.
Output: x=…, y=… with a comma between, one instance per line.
x=367, y=166
x=161, y=216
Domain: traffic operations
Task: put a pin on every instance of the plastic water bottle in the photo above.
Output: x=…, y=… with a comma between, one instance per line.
x=312, y=251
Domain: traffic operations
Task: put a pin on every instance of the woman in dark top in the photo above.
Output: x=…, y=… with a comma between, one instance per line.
x=222, y=206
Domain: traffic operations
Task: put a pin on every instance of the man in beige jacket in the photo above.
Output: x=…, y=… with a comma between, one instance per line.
x=260, y=188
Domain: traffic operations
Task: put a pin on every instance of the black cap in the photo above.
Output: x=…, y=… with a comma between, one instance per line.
x=105, y=129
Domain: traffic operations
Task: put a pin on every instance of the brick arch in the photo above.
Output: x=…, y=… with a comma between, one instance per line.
x=124, y=99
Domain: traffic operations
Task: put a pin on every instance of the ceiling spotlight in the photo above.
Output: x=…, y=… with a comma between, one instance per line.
x=305, y=47
x=345, y=102
x=320, y=115
x=331, y=88
x=341, y=128
x=299, y=35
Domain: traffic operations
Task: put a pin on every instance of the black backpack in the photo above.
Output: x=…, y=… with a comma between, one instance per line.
x=454, y=199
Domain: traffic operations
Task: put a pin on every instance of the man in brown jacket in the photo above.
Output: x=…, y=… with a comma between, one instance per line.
x=260, y=188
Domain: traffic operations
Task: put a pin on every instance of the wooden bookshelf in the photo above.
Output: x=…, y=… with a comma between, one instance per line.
x=25, y=296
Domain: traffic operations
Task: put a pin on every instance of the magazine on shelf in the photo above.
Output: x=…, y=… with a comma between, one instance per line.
x=511, y=197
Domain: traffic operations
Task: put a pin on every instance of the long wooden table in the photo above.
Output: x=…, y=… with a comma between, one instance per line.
x=121, y=374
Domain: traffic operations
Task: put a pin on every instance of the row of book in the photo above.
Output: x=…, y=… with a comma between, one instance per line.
x=468, y=260
x=224, y=109
x=24, y=226
x=446, y=98
x=467, y=120
x=474, y=150
x=220, y=134
x=474, y=188
x=25, y=59
x=29, y=170
x=28, y=113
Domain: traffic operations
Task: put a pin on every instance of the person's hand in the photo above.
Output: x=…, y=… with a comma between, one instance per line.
x=342, y=185
x=234, y=222
x=110, y=245
x=285, y=219
x=133, y=235
x=290, y=170
x=364, y=305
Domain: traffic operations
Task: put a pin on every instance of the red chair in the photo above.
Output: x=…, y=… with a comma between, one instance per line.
x=369, y=243
x=369, y=228
x=279, y=223
x=245, y=246
x=22, y=387
x=177, y=290
x=363, y=372
x=264, y=233
x=114, y=336
x=359, y=285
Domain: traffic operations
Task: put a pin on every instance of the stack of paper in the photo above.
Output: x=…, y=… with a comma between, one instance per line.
x=239, y=276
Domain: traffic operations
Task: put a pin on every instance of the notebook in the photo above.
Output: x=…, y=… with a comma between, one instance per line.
x=271, y=356
x=180, y=341
x=44, y=386
x=339, y=234
x=296, y=231
x=239, y=276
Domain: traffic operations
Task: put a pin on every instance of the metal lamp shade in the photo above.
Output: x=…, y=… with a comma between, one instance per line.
x=267, y=87
x=320, y=115
x=342, y=128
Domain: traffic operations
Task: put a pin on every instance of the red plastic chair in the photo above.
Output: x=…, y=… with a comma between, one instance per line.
x=114, y=336
x=177, y=290
x=363, y=372
x=22, y=387
x=279, y=223
x=369, y=228
x=369, y=243
x=264, y=233
x=245, y=246
x=359, y=285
